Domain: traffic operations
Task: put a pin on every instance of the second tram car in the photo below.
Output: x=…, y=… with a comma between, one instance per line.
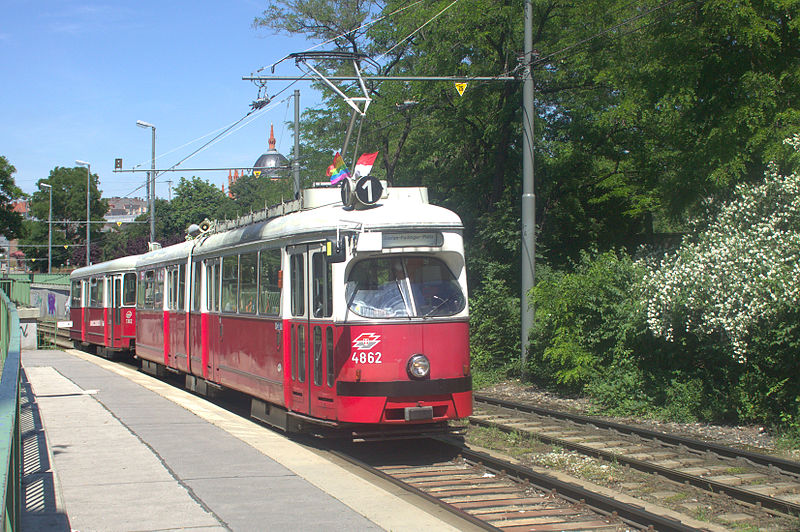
x=103, y=306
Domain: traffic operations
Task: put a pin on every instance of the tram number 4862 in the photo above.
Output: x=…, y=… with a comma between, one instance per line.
x=366, y=358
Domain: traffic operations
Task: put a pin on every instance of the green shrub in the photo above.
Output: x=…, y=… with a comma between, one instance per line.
x=581, y=318
x=494, y=331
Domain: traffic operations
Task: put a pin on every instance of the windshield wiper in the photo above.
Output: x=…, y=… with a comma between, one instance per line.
x=437, y=307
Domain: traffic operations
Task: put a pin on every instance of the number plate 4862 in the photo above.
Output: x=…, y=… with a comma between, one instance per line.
x=363, y=357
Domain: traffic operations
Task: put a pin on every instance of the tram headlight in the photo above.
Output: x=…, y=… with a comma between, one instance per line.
x=419, y=367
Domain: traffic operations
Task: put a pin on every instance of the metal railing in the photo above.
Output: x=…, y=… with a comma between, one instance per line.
x=10, y=350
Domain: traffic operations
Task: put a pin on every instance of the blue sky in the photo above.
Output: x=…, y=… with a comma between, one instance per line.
x=77, y=75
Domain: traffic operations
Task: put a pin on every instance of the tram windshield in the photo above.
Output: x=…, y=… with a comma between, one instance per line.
x=403, y=287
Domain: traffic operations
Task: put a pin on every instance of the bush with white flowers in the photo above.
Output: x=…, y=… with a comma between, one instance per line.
x=743, y=268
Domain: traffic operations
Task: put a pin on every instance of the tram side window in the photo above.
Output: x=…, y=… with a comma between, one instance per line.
x=196, y=287
x=96, y=292
x=212, y=285
x=172, y=288
x=298, y=285
x=175, y=287
x=129, y=289
x=230, y=266
x=301, y=353
x=269, y=301
x=158, y=291
x=140, y=290
x=146, y=289
x=76, y=294
x=317, y=355
x=181, y=286
x=248, y=282
x=322, y=286
x=329, y=354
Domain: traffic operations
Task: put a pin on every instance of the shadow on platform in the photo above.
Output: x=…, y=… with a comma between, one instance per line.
x=42, y=509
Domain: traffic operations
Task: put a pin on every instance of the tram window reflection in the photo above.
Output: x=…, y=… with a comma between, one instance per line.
x=129, y=289
x=322, y=286
x=212, y=285
x=230, y=265
x=197, y=286
x=248, y=283
x=158, y=290
x=403, y=287
x=76, y=294
x=269, y=282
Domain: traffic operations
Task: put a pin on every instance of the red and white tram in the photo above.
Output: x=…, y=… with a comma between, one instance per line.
x=103, y=306
x=329, y=318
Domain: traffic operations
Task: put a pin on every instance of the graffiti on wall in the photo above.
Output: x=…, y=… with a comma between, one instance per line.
x=51, y=302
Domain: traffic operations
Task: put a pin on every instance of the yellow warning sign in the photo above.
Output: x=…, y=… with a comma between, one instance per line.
x=257, y=173
x=119, y=224
x=461, y=87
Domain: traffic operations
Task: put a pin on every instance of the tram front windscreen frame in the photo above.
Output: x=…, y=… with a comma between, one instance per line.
x=403, y=287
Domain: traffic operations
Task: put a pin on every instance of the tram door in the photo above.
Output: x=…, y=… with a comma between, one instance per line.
x=212, y=320
x=311, y=330
x=116, y=310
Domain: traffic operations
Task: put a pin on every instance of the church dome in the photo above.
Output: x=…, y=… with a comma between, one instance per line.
x=271, y=158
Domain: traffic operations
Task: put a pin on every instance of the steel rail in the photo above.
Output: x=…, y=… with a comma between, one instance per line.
x=416, y=491
x=729, y=452
x=765, y=501
x=629, y=513
x=632, y=515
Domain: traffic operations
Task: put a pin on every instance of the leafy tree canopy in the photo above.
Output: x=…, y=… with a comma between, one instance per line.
x=10, y=221
x=641, y=110
x=68, y=215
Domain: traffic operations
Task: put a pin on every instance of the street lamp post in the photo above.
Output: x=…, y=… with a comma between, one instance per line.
x=49, y=229
x=151, y=180
x=88, y=208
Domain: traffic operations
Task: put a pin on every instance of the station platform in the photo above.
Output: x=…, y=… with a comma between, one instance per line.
x=108, y=448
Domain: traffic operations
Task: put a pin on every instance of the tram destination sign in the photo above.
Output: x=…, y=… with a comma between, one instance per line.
x=412, y=240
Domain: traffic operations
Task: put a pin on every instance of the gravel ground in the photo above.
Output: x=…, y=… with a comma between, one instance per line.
x=752, y=437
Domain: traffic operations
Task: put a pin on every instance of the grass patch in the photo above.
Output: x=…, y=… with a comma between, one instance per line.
x=678, y=497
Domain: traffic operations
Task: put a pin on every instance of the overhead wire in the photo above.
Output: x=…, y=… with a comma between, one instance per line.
x=401, y=41
x=346, y=33
x=222, y=133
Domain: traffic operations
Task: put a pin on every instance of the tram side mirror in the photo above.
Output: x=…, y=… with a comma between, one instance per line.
x=335, y=250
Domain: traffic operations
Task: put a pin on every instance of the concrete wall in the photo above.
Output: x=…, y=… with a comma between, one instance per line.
x=52, y=301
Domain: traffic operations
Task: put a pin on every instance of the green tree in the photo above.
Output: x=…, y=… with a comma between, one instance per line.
x=252, y=194
x=194, y=200
x=10, y=221
x=69, y=216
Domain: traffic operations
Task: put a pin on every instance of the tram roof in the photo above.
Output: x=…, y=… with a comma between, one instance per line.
x=390, y=215
x=402, y=214
x=119, y=265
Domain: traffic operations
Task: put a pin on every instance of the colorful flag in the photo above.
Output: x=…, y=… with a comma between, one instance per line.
x=338, y=171
x=364, y=164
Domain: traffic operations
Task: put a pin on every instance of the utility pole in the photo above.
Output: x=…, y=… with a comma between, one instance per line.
x=527, y=312
x=296, y=162
x=151, y=180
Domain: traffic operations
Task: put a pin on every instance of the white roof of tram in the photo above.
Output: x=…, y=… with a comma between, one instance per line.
x=406, y=211
x=120, y=265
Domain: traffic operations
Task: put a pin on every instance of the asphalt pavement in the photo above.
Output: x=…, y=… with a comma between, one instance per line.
x=108, y=448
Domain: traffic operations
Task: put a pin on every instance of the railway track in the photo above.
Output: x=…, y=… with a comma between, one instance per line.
x=494, y=494
x=752, y=478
